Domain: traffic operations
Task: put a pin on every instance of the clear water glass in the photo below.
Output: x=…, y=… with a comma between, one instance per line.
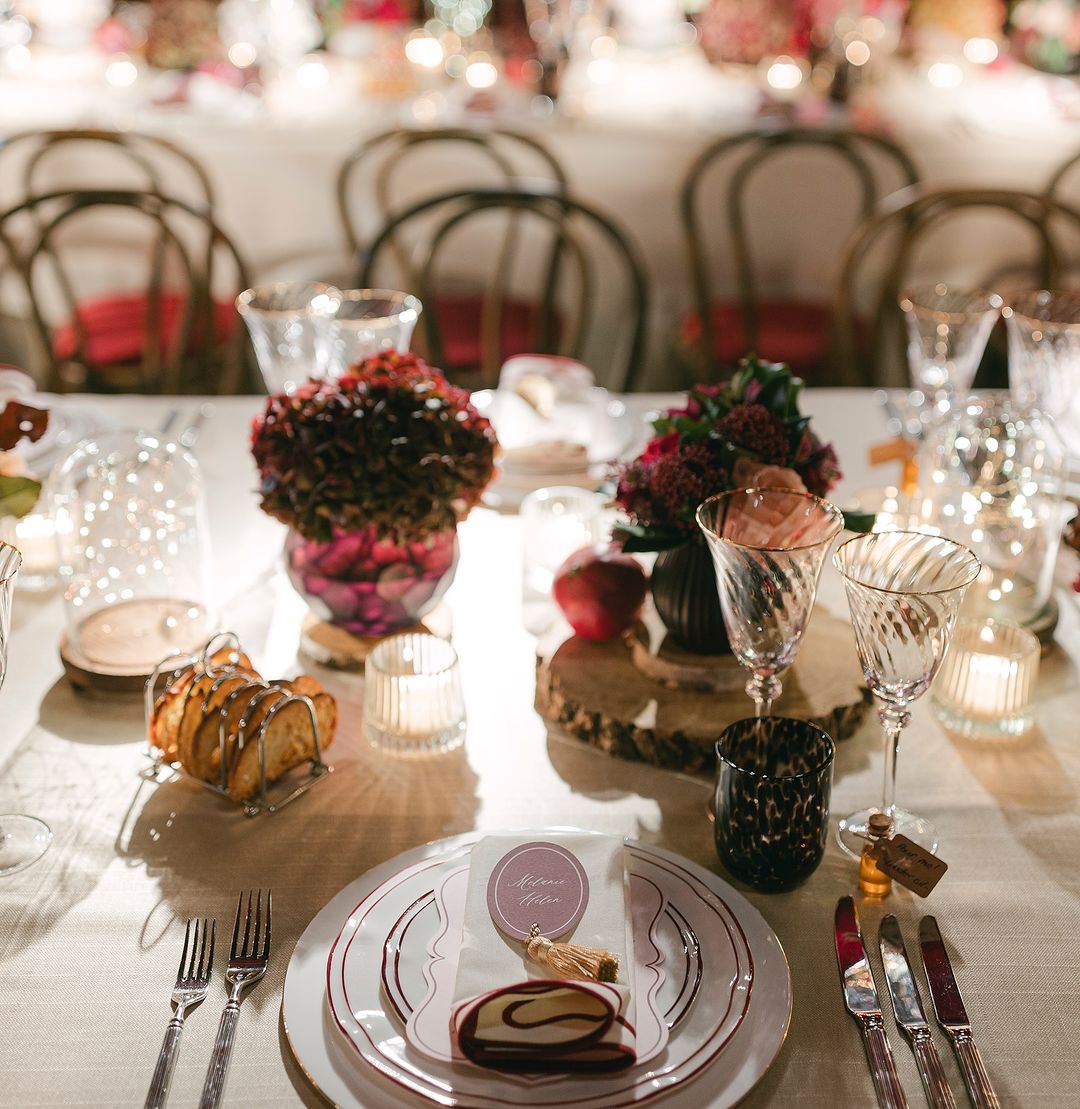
x=23, y=839
x=768, y=547
x=353, y=324
x=947, y=333
x=413, y=702
x=1044, y=357
x=279, y=320
x=904, y=591
x=135, y=562
x=556, y=521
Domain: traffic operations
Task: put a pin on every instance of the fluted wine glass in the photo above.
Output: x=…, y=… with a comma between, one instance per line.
x=768, y=547
x=23, y=839
x=904, y=589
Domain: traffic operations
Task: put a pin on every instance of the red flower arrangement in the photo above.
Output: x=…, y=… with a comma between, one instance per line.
x=744, y=432
x=391, y=445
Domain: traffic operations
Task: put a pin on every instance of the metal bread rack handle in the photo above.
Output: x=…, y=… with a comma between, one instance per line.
x=173, y=665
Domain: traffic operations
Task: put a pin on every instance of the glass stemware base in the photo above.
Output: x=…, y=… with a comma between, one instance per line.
x=853, y=834
x=23, y=840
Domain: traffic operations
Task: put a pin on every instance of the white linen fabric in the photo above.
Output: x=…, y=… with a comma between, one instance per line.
x=511, y=1011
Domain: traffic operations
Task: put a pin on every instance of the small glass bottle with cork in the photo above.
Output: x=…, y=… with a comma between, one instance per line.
x=874, y=883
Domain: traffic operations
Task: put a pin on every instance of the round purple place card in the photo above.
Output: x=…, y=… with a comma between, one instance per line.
x=537, y=884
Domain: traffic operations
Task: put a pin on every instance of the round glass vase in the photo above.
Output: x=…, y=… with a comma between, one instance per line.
x=368, y=585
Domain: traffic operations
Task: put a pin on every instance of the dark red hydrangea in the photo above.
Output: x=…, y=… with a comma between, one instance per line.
x=670, y=486
x=390, y=444
x=753, y=417
x=753, y=428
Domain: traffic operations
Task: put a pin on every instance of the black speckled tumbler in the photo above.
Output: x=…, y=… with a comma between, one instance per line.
x=773, y=782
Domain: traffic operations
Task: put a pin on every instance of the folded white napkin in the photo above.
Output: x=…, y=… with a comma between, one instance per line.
x=509, y=1011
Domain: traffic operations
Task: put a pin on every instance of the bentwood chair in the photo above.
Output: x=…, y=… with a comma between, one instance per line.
x=505, y=271
x=396, y=169
x=788, y=328
x=54, y=160
x=1062, y=183
x=173, y=328
x=889, y=248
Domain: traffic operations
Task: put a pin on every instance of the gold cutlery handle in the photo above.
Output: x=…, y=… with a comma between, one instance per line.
x=890, y=1094
x=936, y=1085
x=975, y=1077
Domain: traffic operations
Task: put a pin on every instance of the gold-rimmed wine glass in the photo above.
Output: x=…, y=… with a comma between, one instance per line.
x=904, y=589
x=768, y=547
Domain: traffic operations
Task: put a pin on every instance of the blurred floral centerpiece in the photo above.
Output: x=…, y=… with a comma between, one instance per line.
x=742, y=433
x=372, y=472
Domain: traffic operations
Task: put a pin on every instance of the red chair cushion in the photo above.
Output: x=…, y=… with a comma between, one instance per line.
x=115, y=327
x=458, y=319
x=788, y=331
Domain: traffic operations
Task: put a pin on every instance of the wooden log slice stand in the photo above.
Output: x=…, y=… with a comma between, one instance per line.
x=669, y=706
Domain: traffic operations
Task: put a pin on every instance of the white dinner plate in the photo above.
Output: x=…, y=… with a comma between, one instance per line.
x=729, y=1013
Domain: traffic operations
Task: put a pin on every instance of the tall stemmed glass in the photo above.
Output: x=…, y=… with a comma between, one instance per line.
x=904, y=589
x=23, y=839
x=1044, y=357
x=768, y=547
x=947, y=333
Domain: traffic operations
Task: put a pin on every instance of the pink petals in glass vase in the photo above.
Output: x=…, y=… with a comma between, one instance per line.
x=370, y=585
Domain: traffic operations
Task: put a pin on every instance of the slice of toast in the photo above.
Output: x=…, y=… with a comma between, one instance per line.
x=203, y=745
x=288, y=739
x=170, y=705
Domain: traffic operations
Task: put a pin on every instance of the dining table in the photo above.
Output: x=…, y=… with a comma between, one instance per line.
x=91, y=933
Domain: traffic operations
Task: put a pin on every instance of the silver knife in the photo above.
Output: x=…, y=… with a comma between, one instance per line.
x=908, y=1010
x=952, y=1016
x=861, y=1000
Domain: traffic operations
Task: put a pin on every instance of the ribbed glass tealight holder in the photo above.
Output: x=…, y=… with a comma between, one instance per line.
x=413, y=703
x=985, y=687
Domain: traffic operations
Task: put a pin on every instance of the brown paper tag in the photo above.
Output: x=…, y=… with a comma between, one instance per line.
x=909, y=864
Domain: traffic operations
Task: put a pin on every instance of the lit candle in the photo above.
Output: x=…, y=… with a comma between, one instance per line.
x=984, y=689
x=35, y=537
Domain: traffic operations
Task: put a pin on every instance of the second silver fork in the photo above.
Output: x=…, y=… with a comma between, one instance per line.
x=247, y=964
x=192, y=983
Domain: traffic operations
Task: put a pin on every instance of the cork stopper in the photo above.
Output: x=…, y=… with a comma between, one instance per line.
x=879, y=825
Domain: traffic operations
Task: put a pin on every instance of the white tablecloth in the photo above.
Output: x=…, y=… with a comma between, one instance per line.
x=90, y=935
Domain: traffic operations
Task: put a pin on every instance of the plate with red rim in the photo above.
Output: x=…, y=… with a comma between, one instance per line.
x=358, y=971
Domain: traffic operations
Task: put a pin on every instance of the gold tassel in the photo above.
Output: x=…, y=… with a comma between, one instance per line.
x=572, y=960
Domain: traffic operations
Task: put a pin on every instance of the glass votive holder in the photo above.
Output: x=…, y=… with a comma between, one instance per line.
x=556, y=521
x=34, y=535
x=985, y=685
x=413, y=703
x=773, y=787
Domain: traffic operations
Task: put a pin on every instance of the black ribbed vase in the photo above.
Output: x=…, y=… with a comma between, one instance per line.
x=685, y=596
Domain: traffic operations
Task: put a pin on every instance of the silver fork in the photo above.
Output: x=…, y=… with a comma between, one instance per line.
x=192, y=983
x=247, y=964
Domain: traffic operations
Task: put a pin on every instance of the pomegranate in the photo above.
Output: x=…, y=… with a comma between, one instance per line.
x=601, y=591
